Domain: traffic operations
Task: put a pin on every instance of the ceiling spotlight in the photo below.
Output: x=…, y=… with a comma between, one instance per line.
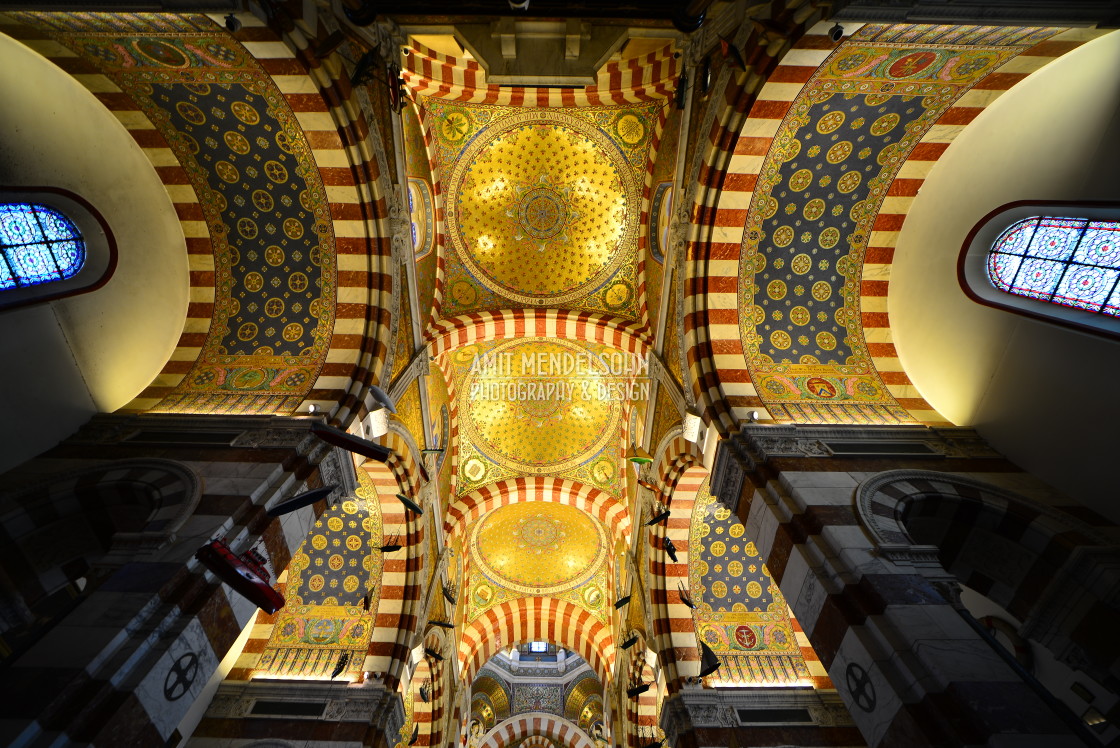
x=836, y=33
x=233, y=23
x=312, y=408
x=752, y=416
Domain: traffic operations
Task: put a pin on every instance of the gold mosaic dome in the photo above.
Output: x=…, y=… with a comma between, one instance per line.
x=538, y=547
x=559, y=423
x=544, y=208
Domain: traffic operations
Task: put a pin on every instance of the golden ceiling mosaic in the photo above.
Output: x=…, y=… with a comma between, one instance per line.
x=538, y=548
x=262, y=198
x=542, y=206
x=814, y=207
x=535, y=406
x=740, y=612
x=332, y=593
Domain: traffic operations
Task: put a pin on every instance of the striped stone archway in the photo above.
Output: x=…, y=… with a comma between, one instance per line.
x=536, y=619
x=536, y=724
x=599, y=504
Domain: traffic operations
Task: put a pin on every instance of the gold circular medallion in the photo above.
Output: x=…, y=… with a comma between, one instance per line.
x=548, y=207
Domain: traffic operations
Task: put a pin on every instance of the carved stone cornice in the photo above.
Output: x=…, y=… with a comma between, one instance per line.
x=696, y=707
x=764, y=442
x=245, y=431
x=369, y=703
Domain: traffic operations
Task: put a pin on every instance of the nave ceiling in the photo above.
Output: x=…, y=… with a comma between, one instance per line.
x=489, y=236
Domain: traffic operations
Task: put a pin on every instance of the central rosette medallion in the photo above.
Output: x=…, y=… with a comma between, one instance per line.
x=543, y=207
x=538, y=547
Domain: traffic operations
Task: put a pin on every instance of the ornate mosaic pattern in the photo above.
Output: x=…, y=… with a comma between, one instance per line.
x=264, y=204
x=335, y=565
x=505, y=430
x=404, y=348
x=542, y=206
x=538, y=547
x=740, y=612
x=308, y=641
x=486, y=591
x=326, y=614
x=537, y=697
x=583, y=702
x=814, y=206
x=410, y=414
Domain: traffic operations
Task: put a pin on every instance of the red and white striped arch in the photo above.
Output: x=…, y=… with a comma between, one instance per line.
x=542, y=728
x=640, y=712
x=537, y=741
x=479, y=327
x=599, y=504
x=536, y=619
x=339, y=138
x=709, y=250
x=647, y=78
x=397, y=610
x=674, y=637
x=672, y=459
x=712, y=318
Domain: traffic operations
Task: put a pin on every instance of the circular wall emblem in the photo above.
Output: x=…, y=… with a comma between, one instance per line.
x=180, y=677
x=911, y=64
x=860, y=686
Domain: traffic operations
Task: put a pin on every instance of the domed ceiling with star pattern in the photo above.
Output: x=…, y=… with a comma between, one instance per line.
x=542, y=206
x=538, y=548
x=536, y=406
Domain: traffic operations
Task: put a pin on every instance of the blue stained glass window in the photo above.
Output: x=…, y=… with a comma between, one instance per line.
x=1069, y=261
x=37, y=245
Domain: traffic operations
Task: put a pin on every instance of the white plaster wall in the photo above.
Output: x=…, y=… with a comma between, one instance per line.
x=62, y=361
x=1045, y=396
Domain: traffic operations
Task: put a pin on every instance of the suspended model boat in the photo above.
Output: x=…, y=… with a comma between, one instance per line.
x=245, y=574
x=299, y=502
x=350, y=443
x=709, y=662
x=409, y=504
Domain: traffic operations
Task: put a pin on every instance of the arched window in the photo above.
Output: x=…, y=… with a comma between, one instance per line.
x=1058, y=262
x=53, y=244
x=38, y=244
x=1074, y=262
